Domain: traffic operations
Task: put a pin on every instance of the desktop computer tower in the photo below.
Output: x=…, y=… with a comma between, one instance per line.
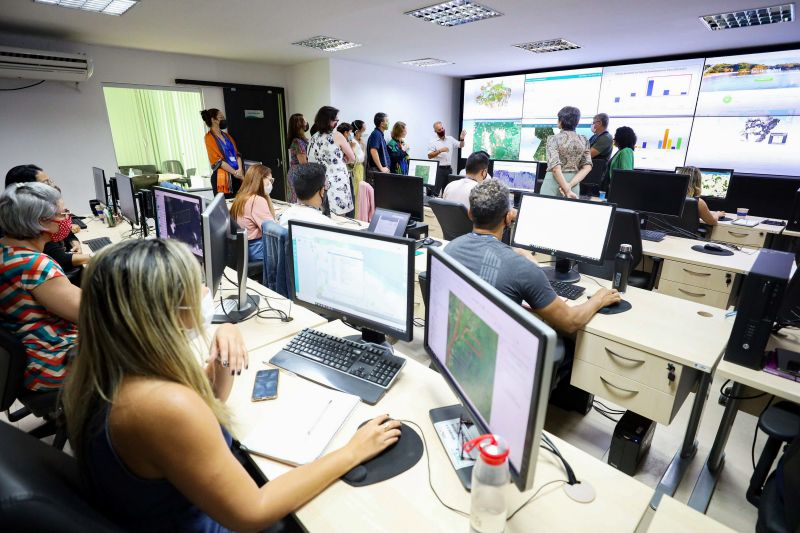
x=760, y=299
x=794, y=216
x=630, y=442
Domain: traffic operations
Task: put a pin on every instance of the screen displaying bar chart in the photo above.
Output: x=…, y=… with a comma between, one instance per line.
x=661, y=142
x=666, y=88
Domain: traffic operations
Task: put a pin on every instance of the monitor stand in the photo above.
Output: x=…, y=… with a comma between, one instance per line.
x=369, y=336
x=562, y=271
x=447, y=421
x=233, y=312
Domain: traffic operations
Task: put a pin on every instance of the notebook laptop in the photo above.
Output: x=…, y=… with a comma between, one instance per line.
x=388, y=222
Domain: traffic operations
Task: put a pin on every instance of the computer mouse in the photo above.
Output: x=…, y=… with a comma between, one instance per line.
x=713, y=247
x=357, y=474
x=428, y=241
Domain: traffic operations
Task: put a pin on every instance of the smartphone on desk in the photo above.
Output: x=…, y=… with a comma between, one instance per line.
x=266, y=385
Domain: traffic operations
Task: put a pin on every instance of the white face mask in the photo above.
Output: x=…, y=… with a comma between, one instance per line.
x=268, y=188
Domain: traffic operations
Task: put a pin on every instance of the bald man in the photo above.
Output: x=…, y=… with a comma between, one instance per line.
x=444, y=150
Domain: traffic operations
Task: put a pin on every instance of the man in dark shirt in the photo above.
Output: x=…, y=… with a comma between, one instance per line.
x=601, y=144
x=512, y=274
x=377, y=151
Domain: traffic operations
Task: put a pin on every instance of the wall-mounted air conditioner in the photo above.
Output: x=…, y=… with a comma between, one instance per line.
x=43, y=65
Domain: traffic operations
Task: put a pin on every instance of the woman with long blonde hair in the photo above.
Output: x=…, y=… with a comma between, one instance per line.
x=707, y=216
x=253, y=206
x=147, y=422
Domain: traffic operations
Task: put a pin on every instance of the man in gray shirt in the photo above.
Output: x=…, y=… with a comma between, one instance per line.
x=601, y=143
x=512, y=274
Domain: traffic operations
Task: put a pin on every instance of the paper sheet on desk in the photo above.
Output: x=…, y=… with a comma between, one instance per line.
x=296, y=428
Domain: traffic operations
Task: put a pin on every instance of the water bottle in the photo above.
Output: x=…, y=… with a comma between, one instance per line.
x=490, y=478
x=622, y=267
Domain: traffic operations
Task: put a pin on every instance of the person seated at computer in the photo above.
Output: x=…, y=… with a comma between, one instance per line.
x=66, y=252
x=398, y=149
x=483, y=252
x=38, y=304
x=477, y=170
x=625, y=141
x=695, y=190
x=311, y=189
x=253, y=206
x=568, y=157
x=148, y=422
x=463, y=171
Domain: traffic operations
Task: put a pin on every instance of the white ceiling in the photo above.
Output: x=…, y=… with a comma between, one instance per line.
x=262, y=30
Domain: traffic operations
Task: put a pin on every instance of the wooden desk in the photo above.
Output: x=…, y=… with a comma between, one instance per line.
x=791, y=233
x=406, y=503
x=673, y=516
x=756, y=236
x=742, y=377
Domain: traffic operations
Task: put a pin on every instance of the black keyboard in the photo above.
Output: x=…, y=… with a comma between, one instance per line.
x=97, y=244
x=770, y=222
x=366, y=370
x=651, y=235
x=567, y=290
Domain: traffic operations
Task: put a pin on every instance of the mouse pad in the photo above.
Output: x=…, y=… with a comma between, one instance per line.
x=393, y=461
x=621, y=307
x=700, y=248
x=434, y=243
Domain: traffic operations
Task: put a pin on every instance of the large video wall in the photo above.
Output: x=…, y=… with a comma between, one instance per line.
x=740, y=112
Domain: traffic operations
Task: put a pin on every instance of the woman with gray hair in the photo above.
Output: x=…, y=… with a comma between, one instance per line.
x=568, y=157
x=38, y=304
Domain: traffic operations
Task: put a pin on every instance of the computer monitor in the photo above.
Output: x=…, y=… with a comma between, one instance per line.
x=178, y=216
x=764, y=196
x=206, y=193
x=517, y=175
x=127, y=199
x=100, y=185
x=715, y=181
x=399, y=193
x=221, y=248
x=495, y=356
x=568, y=229
x=387, y=222
x=363, y=278
x=649, y=192
x=425, y=169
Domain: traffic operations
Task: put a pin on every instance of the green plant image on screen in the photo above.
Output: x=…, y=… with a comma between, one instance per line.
x=542, y=133
x=422, y=172
x=493, y=95
x=499, y=139
x=715, y=184
x=471, y=354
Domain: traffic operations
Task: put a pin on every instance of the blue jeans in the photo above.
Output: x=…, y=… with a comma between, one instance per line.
x=255, y=250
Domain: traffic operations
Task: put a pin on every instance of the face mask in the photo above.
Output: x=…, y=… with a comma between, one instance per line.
x=441, y=134
x=350, y=137
x=223, y=124
x=64, y=228
x=207, y=310
x=268, y=188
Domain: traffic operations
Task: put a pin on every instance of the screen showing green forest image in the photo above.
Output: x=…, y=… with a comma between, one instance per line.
x=471, y=354
x=499, y=139
x=423, y=172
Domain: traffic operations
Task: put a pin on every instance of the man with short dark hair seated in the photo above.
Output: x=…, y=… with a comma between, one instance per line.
x=310, y=186
x=477, y=170
x=512, y=274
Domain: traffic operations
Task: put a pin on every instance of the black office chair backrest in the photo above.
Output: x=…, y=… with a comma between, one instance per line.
x=687, y=225
x=625, y=229
x=452, y=217
x=41, y=489
x=13, y=360
x=591, y=183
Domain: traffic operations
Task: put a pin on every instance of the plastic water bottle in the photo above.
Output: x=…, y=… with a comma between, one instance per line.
x=490, y=478
x=622, y=267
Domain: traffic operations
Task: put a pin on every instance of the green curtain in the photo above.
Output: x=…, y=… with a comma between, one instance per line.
x=150, y=126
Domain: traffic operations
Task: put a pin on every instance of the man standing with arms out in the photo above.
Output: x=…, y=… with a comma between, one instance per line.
x=377, y=152
x=600, y=143
x=443, y=149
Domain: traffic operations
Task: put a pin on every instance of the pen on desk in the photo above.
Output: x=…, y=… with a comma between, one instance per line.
x=325, y=410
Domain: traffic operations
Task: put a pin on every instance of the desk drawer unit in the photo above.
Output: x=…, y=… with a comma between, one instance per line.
x=740, y=235
x=698, y=276
x=695, y=294
x=631, y=378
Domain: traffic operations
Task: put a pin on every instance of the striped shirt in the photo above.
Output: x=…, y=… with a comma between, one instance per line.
x=46, y=336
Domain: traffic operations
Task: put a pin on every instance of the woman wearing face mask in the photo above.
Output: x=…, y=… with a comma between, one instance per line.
x=253, y=206
x=297, y=142
x=221, y=146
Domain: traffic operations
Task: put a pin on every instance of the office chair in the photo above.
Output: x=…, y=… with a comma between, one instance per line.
x=277, y=276
x=781, y=423
x=687, y=225
x=777, y=511
x=41, y=488
x=591, y=183
x=255, y=269
x=13, y=361
x=172, y=166
x=191, y=172
x=452, y=217
x=625, y=229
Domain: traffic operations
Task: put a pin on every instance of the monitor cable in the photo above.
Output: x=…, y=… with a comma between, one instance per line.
x=579, y=491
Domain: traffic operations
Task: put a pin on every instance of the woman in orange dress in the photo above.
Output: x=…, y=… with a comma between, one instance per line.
x=221, y=146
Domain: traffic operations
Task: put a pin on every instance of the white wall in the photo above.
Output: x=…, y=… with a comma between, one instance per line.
x=309, y=85
x=419, y=99
x=64, y=128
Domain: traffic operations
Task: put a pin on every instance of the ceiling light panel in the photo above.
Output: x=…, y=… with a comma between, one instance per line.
x=426, y=62
x=107, y=7
x=550, y=45
x=749, y=17
x=326, y=44
x=454, y=13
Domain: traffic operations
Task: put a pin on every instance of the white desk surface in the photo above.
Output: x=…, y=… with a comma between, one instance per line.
x=680, y=249
x=406, y=503
x=673, y=516
x=764, y=381
x=766, y=228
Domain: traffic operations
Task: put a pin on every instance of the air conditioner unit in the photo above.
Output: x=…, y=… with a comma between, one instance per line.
x=43, y=65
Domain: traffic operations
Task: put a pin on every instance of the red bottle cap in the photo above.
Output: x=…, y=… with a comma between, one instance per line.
x=494, y=450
